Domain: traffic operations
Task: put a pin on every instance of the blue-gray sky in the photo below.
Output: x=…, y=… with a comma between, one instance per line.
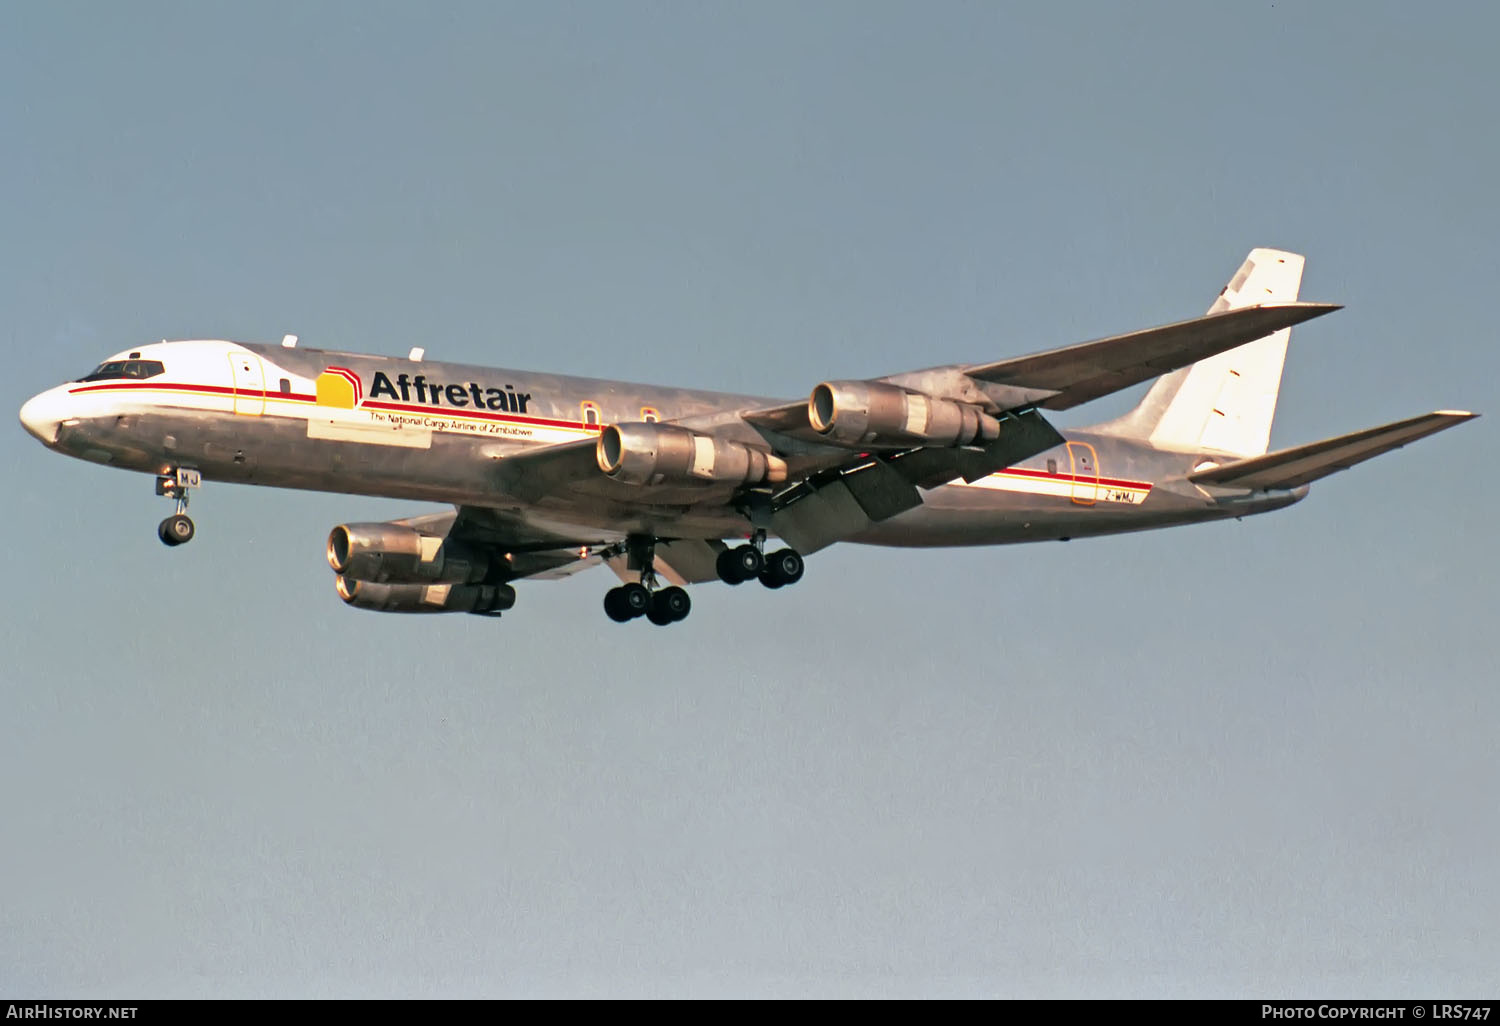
x=1240, y=759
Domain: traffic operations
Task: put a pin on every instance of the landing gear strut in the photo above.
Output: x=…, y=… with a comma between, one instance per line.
x=177, y=529
x=749, y=561
x=662, y=606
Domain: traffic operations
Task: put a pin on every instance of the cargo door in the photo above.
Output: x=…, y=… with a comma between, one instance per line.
x=249, y=384
x=1085, y=471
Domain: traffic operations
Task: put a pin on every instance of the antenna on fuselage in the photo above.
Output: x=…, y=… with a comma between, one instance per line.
x=289, y=341
x=416, y=353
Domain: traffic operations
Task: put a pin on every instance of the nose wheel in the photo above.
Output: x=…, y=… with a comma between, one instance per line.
x=177, y=529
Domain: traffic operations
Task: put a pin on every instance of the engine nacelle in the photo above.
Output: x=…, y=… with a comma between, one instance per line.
x=648, y=454
x=860, y=412
x=484, y=599
x=392, y=554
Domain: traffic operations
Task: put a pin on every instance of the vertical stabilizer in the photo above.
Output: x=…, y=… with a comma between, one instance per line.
x=1226, y=402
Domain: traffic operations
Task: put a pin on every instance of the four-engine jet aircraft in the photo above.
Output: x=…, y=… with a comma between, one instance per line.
x=550, y=475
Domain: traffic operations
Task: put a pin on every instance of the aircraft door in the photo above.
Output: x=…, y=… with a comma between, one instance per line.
x=1084, y=465
x=249, y=384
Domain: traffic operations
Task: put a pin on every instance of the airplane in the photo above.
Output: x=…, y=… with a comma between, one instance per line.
x=549, y=475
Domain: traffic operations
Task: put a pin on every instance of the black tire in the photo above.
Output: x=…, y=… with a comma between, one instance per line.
x=175, y=530
x=659, y=614
x=788, y=565
x=728, y=567
x=748, y=561
x=771, y=578
x=675, y=601
x=635, y=598
x=614, y=606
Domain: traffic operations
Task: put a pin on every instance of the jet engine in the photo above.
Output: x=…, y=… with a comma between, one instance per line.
x=861, y=412
x=484, y=599
x=648, y=454
x=393, y=554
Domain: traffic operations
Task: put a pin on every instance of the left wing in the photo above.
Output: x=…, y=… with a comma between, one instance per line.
x=536, y=553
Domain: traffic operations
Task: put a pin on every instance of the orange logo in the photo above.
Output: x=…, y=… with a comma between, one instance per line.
x=340, y=387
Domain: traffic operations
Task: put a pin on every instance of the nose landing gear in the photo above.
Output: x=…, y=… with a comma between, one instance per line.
x=177, y=529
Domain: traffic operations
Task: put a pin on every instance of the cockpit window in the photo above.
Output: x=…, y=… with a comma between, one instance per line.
x=126, y=369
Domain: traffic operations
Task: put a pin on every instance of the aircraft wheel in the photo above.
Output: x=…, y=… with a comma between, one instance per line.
x=728, y=567
x=675, y=602
x=785, y=567
x=614, y=606
x=634, y=598
x=175, y=530
x=748, y=562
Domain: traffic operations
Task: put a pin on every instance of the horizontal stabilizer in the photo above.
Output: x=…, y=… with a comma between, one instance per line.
x=1289, y=468
x=1077, y=374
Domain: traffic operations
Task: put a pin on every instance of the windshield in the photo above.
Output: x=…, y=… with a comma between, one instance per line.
x=126, y=369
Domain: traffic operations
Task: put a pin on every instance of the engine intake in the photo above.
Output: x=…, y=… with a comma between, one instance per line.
x=860, y=412
x=648, y=454
x=392, y=554
x=484, y=599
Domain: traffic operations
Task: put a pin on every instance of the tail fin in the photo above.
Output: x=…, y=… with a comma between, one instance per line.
x=1226, y=402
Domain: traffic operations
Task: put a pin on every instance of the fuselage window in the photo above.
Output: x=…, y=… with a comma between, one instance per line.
x=126, y=369
x=286, y=386
x=590, y=413
x=650, y=415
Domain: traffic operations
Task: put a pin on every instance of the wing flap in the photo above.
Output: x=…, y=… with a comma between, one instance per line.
x=1089, y=370
x=1303, y=464
x=831, y=507
x=1022, y=436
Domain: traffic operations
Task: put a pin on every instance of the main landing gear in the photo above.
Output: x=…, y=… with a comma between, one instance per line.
x=662, y=606
x=177, y=529
x=668, y=605
x=745, y=562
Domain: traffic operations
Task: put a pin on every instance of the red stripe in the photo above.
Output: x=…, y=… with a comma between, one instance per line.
x=1043, y=475
x=166, y=385
x=170, y=386
x=462, y=411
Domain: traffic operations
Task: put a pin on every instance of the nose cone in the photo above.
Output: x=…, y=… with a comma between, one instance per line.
x=42, y=414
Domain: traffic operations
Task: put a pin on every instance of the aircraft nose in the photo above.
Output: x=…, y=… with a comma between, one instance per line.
x=42, y=414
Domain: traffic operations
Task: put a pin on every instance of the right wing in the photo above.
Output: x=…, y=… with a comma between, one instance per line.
x=1060, y=379
x=1303, y=464
x=1077, y=374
